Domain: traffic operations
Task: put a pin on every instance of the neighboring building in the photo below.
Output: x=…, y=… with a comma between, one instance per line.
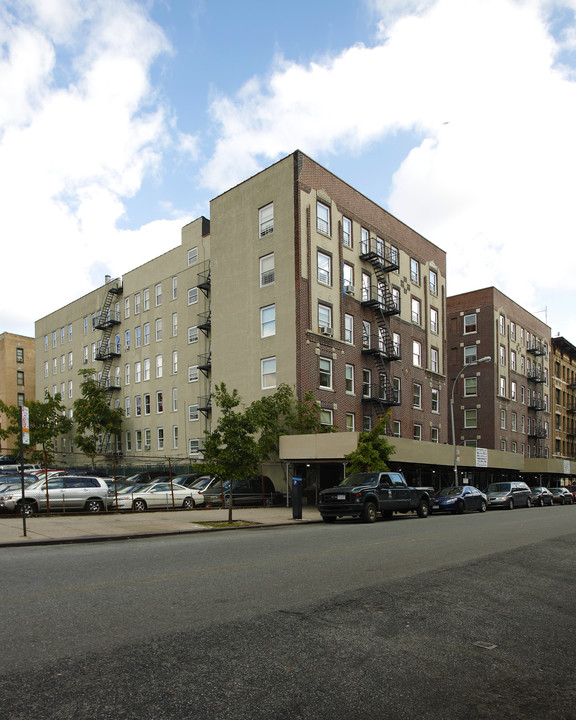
x=564, y=398
x=297, y=279
x=17, y=375
x=503, y=404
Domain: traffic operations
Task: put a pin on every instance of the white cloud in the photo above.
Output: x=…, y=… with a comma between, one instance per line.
x=494, y=186
x=80, y=128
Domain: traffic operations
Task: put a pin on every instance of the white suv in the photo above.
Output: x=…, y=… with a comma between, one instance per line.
x=64, y=493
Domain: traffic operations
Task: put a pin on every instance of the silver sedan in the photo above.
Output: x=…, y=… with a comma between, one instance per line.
x=158, y=496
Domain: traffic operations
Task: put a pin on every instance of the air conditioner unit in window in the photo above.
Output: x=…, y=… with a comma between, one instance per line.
x=349, y=289
x=327, y=331
x=146, y=447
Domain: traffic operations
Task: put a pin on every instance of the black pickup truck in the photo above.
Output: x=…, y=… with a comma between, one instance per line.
x=365, y=494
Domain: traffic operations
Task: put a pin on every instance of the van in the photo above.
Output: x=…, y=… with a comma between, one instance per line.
x=509, y=495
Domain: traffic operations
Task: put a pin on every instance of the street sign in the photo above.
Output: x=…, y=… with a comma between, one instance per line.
x=25, y=425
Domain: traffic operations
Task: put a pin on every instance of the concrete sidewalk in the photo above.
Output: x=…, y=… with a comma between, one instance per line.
x=43, y=530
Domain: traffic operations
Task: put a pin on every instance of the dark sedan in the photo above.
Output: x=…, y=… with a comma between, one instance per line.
x=562, y=496
x=257, y=490
x=458, y=499
x=542, y=496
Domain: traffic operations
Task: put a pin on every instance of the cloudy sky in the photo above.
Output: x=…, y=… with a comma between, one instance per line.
x=120, y=119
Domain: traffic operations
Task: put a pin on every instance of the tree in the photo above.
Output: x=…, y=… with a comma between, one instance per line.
x=373, y=450
x=48, y=421
x=94, y=418
x=231, y=450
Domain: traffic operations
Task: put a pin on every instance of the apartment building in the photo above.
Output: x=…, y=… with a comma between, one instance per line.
x=564, y=399
x=297, y=278
x=17, y=375
x=503, y=404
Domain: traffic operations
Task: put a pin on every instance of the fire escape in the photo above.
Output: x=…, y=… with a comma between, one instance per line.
x=380, y=346
x=537, y=376
x=108, y=351
x=205, y=325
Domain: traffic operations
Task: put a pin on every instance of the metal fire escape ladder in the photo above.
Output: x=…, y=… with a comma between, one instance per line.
x=107, y=320
x=380, y=300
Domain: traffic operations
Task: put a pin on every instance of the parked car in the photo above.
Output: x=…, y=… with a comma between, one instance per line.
x=542, y=496
x=572, y=489
x=206, y=482
x=186, y=480
x=257, y=490
x=65, y=493
x=562, y=496
x=458, y=499
x=509, y=495
x=146, y=476
x=158, y=496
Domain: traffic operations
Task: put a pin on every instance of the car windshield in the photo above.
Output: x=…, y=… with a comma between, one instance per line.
x=128, y=489
x=556, y=491
x=202, y=483
x=360, y=479
x=499, y=487
x=449, y=492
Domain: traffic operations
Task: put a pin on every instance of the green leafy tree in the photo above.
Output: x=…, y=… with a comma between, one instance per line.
x=93, y=416
x=48, y=421
x=231, y=450
x=373, y=451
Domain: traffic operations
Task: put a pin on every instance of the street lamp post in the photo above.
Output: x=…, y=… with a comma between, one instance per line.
x=467, y=365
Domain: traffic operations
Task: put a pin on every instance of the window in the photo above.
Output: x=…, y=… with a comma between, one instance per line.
x=138, y=439
x=366, y=286
x=126, y=309
x=396, y=387
x=193, y=373
x=417, y=396
x=503, y=386
x=366, y=383
x=174, y=362
x=349, y=422
x=396, y=428
x=138, y=405
x=470, y=325
x=267, y=270
x=416, y=311
x=193, y=413
x=138, y=333
x=396, y=343
x=470, y=387
x=266, y=219
x=434, y=321
x=502, y=325
x=325, y=367
x=347, y=276
x=192, y=296
x=160, y=438
x=415, y=271
x=146, y=327
x=326, y=418
x=193, y=446
x=470, y=418
x=512, y=360
x=127, y=374
x=346, y=232
x=137, y=372
x=322, y=218
x=192, y=334
x=174, y=287
x=348, y=328
x=416, y=353
x=366, y=332
x=147, y=404
x=268, y=373
x=19, y=377
x=127, y=406
x=146, y=373
x=417, y=431
x=396, y=298
x=502, y=355
x=434, y=360
x=324, y=268
x=19, y=355
x=349, y=378
x=513, y=390
x=175, y=437
x=502, y=419
x=158, y=294
x=268, y=321
x=470, y=355
x=192, y=256
x=174, y=324
x=159, y=366
x=324, y=316
x=433, y=277
x=435, y=407
x=513, y=422
x=364, y=241
x=159, y=402
x=146, y=299
x=158, y=329
x=434, y=434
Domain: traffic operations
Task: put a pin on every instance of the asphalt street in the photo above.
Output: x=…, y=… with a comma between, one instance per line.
x=450, y=617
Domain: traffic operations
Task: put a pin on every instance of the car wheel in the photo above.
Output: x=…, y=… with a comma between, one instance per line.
x=483, y=506
x=528, y=503
x=369, y=512
x=460, y=507
x=510, y=504
x=94, y=506
x=29, y=508
x=423, y=509
x=139, y=505
x=328, y=518
x=188, y=503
